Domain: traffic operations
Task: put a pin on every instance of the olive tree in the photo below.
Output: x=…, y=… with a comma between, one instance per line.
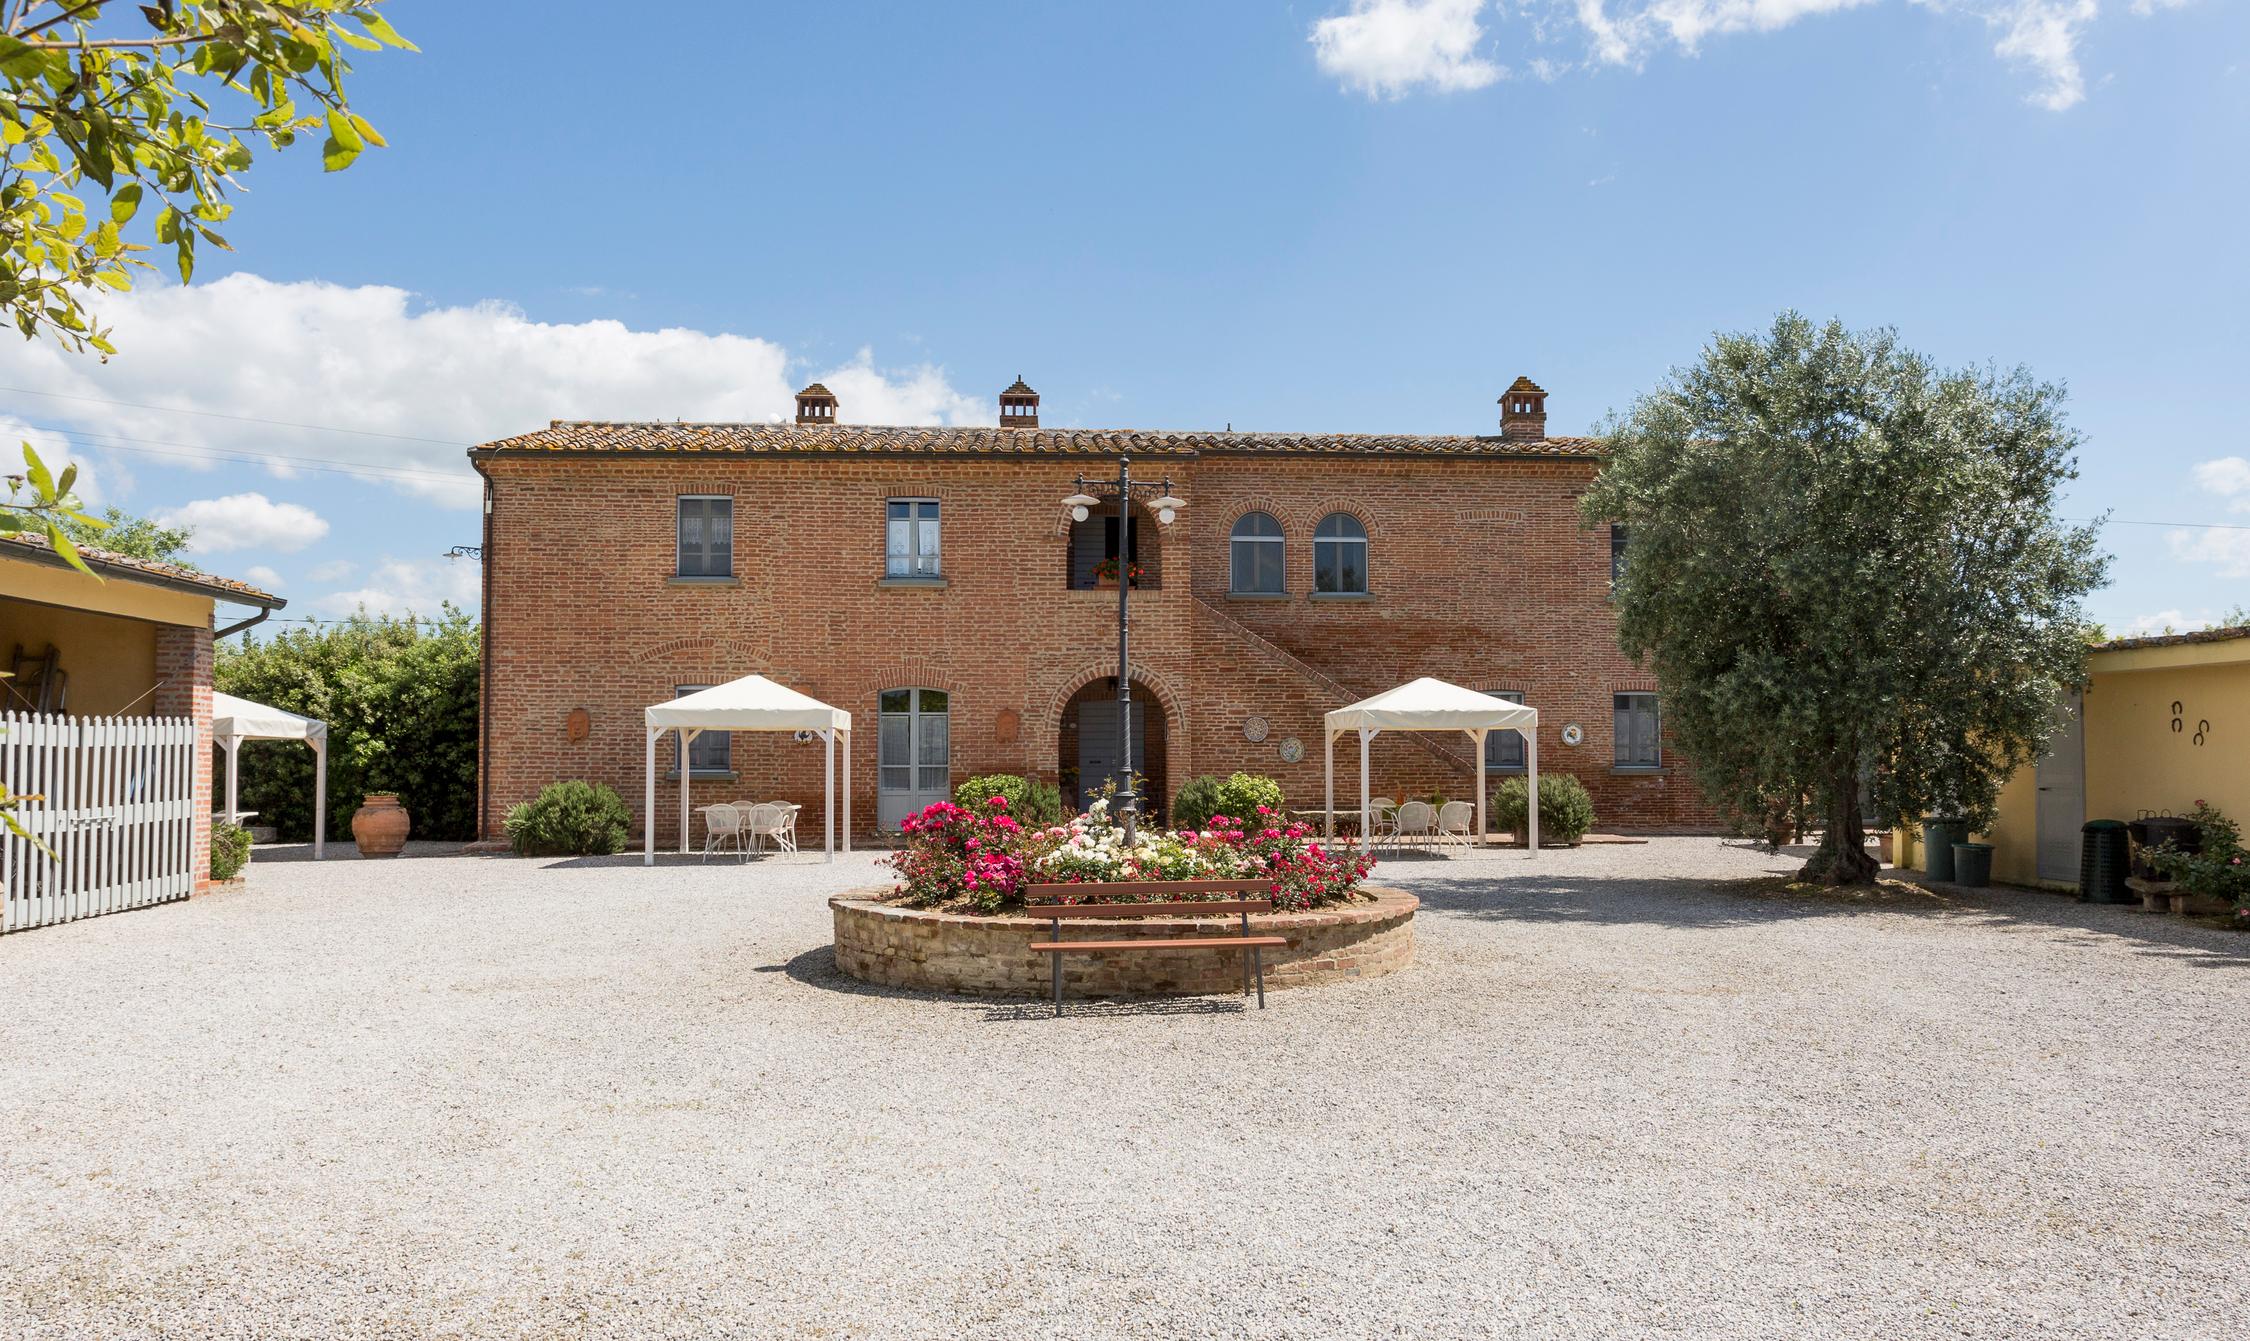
x=1844, y=568
x=117, y=112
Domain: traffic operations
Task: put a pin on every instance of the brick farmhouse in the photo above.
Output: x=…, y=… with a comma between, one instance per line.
x=932, y=582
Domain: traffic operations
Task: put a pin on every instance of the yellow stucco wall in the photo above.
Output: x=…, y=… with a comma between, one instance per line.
x=2135, y=761
x=111, y=661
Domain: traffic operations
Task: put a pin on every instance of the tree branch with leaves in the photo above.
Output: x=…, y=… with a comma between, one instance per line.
x=107, y=112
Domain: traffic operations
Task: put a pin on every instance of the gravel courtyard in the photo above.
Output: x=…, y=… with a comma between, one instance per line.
x=468, y=1097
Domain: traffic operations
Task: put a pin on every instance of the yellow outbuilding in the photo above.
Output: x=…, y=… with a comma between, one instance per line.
x=2161, y=724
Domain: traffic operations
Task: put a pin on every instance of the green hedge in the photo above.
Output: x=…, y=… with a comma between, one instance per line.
x=1032, y=803
x=1237, y=797
x=1566, y=812
x=400, y=700
x=230, y=850
x=570, y=819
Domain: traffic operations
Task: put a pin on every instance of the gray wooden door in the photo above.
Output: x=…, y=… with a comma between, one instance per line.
x=1097, y=746
x=913, y=753
x=2061, y=777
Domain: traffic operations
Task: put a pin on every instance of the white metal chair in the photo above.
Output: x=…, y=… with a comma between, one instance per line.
x=1454, y=819
x=777, y=822
x=1382, y=819
x=722, y=826
x=789, y=813
x=1416, y=822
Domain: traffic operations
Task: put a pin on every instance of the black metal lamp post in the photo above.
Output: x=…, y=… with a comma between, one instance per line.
x=1081, y=505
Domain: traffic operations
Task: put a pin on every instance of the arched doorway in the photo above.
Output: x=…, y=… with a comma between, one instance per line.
x=1086, y=745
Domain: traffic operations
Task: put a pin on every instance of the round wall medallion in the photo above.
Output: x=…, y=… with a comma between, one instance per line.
x=1292, y=750
x=1254, y=728
x=1573, y=734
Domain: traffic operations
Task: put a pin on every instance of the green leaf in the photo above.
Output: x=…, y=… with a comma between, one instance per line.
x=126, y=203
x=186, y=248
x=61, y=543
x=35, y=470
x=367, y=133
x=168, y=224
x=381, y=28
x=344, y=142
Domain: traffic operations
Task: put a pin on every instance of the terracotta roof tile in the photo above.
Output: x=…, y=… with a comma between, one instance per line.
x=109, y=563
x=2174, y=639
x=668, y=439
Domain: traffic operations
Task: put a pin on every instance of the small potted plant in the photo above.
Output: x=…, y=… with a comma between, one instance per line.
x=1105, y=573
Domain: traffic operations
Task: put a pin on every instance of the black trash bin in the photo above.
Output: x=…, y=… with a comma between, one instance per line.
x=2102, y=858
x=1972, y=865
x=1938, y=838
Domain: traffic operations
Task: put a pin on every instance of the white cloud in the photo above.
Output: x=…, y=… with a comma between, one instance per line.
x=335, y=570
x=1388, y=48
x=1391, y=47
x=245, y=521
x=2229, y=478
x=258, y=575
x=2043, y=34
x=409, y=587
x=434, y=378
x=2168, y=621
x=2228, y=551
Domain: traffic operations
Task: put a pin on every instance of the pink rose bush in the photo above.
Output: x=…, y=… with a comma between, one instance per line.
x=982, y=859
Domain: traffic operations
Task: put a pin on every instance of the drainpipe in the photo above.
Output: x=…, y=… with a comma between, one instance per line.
x=259, y=618
x=484, y=661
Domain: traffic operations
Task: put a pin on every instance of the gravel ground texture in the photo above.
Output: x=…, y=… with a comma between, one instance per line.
x=456, y=1096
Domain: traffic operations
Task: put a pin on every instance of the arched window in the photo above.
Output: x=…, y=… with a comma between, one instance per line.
x=1339, y=556
x=1258, y=551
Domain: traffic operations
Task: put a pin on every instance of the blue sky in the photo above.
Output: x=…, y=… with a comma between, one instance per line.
x=1348, y=215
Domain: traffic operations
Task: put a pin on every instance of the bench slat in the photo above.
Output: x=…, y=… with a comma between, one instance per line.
x=1139, y=887
x=1195, y=943
x=1213, y=906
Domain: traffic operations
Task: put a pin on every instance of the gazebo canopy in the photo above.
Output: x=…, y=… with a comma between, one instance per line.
x=1430, y=704
x=752, y=703
x=234, y=720
x=239, y=719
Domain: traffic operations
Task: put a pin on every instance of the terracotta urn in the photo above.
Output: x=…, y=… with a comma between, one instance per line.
x=379, y=825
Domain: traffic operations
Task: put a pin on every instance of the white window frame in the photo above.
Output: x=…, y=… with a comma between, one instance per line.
x=915, y=522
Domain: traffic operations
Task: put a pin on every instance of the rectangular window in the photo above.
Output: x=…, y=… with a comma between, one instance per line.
x=1616, y=553
x=706, y=534
x=1636, y=734
x=910, y=537
x=710, y=752
x=1503, y=750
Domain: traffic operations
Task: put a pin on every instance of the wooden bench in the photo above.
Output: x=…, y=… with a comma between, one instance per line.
x=1253, y=960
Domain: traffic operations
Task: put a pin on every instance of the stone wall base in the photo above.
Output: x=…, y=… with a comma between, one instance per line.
x=896, y=946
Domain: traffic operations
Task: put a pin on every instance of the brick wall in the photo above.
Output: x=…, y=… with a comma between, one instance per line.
x=1479, y=574
x=183, y=673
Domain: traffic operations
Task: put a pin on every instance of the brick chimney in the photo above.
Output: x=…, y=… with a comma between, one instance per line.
x=1019, y=406
x=816, y=404
x=1523, y=412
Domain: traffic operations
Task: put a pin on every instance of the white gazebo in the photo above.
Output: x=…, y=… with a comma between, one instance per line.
x=752, y=703
x=234, y=720
x=1433, y=705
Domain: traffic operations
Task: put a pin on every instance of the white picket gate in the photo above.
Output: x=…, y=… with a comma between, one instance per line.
x=117, y=806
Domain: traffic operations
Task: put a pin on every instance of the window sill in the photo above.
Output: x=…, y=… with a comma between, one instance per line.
x=912, y=583
x=677, y=581
x=702, y=775
x=1637, y=771
x=1340, y=596
x=1259, y=596
x=1510, y=770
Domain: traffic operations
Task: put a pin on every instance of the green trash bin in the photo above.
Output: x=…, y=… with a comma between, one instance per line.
x=1972, y=865
x=2104, y=851
x=1938, y=838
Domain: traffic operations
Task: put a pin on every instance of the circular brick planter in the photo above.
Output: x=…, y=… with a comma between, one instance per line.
x=897, y=946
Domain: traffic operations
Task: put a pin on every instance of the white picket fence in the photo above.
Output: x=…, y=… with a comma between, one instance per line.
x=117, y=807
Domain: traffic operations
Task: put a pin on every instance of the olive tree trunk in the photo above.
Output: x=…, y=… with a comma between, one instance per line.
x=1842, y=857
